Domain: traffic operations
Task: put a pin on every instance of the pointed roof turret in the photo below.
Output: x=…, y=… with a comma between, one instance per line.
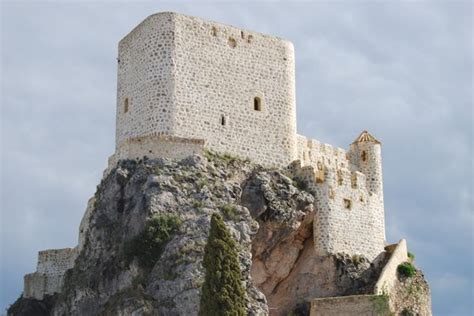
x=366, y=137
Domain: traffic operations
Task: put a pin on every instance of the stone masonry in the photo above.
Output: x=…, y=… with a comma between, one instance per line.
x=185, y=85
x=48, y=278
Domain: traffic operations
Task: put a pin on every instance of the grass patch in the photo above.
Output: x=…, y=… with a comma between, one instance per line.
x=300, y=184
x=406, y=269
x=407, y=312
x=230, y=212
x=411, y=256
x=381, y=305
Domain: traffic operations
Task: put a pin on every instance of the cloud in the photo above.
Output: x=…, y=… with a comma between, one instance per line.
x=402, y=70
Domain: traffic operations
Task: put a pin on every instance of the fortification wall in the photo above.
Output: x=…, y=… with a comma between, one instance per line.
x=158, y=147
x=314, y=153
x=367, y=157
x=48, y=278
x=236, y=89
x=84, y=225
x=145, y=83
x=190, y=78
x=348, y=218
x=388, y=277
x=365, y=305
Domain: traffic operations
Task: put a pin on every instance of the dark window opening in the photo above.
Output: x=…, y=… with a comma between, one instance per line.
x=125, y=105
x=232, y=42
x=242, y=34
x=257, y=104
x=214, y=31
x=347, y=204
x=223, y=120
x=364, y=155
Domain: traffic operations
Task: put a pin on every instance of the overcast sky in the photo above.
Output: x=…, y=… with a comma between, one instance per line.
x=402, y=70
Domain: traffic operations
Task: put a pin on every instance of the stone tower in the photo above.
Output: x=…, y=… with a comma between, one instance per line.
x=366, y=154
x=181, y=78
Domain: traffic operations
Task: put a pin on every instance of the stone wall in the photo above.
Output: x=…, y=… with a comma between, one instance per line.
x=314, y=153
x=145, y=83
x=388, y=278
x=48, y=278
x=84, y=225
x=190, y=78
x=348, y=218
x=361, y=305
x=160, y=147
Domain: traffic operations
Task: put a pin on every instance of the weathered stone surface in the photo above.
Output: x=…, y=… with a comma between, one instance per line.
x=270, y=218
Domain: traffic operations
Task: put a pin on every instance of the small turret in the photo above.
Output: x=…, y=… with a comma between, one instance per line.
x=365, y=153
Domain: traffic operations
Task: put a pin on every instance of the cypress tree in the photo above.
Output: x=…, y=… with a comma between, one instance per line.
x=222, y=291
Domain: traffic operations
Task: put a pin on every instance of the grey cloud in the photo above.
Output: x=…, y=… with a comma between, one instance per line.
x=402, y=70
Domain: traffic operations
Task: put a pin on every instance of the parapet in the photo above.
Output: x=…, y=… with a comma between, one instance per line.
x=49, y=275
x=156, y=146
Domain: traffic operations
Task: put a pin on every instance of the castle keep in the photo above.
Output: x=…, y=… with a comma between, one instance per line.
x=185, y=85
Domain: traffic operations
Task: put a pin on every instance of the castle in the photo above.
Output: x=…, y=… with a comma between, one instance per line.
x=186, y=85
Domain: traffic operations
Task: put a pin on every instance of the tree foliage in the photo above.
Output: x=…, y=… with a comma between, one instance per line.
x=222, y=293
x=150, y=243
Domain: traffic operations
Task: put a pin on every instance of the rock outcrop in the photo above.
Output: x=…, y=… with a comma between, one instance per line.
x=143, y=239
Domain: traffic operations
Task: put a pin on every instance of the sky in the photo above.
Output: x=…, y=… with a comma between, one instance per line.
x=401, y=69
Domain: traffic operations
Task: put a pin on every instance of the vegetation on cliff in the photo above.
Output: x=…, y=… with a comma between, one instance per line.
x=150, y=243
x=222, y=292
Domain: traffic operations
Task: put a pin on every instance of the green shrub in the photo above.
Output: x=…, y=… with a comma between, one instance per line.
x=300, y=184
x=411, y=256
x=230, y=212
x=222, y=291
x=381, y=304
x=406, y=269
x=357, y=260
x=148, y=246
x=407, y=312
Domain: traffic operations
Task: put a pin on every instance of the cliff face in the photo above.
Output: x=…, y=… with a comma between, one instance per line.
x=143, y=241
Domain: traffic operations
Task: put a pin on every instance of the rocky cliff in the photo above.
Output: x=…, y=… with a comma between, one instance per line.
x=144, y=237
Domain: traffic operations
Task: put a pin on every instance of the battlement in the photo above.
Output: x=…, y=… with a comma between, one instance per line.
x=349, y=202
x=49, y=275
x=313, y=152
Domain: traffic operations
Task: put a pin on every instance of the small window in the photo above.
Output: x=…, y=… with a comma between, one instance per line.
x=364, y=155
x=257, y=104
x=223, y=120
x=347, y=204
x=340, y=180
x=125, y=105
x=354, y=181
x=320, y=165
x=232, y=42
x=214, y=31
x=242, y=35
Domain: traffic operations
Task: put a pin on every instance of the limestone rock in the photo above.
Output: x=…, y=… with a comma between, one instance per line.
x=269, y=217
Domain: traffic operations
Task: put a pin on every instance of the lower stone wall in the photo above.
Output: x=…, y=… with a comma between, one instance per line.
x=34, y=285
x=348, y=219
x=156, y=146
x=160, y=147
x=388, y=277
x=48, y=278
x=361, y=305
